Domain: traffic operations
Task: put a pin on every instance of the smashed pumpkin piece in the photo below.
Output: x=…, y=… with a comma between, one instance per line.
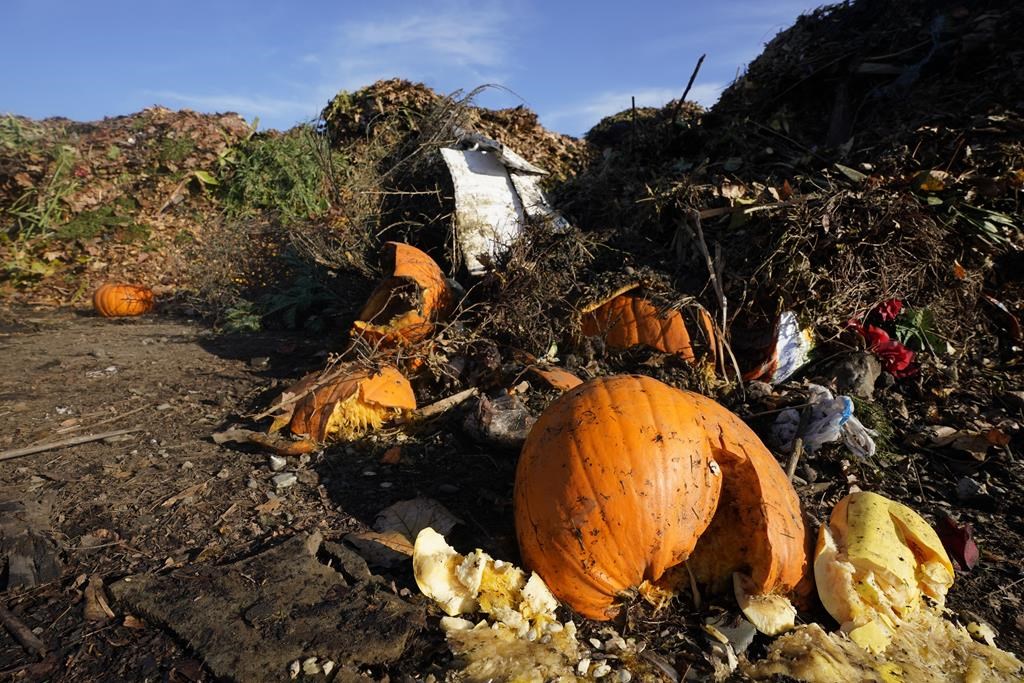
x=627, y=320
x=521, y=639
x=926, y=648
x=874, y=561
x=344, y=402
x=407, y=303
x=619, y=481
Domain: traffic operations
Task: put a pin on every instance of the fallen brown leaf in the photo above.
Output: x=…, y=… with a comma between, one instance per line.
x=96, y=606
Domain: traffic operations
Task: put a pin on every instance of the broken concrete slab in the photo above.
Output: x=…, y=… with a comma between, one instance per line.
x=250, y=620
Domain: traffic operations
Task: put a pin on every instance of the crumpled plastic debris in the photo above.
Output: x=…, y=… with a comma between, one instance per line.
x=792, y=349
x=831, y=419
x=496, y=192
x=503, y=421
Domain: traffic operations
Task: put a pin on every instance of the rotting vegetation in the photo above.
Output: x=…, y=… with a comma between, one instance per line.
x=872, y=153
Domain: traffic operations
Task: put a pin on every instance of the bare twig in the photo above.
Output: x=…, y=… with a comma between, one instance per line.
x=798, y=443
x=689, y=84
x=113, y=418
x=19, y=452
x=445, y=404
x=21, y=632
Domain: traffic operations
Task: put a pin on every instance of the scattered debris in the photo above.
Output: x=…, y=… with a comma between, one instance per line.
x=828, y=419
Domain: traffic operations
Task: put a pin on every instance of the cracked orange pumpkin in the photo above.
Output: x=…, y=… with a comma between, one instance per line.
x=407, y=303
x=344, y=403
x=626, y=320
x=624, y=477
x=118, y=300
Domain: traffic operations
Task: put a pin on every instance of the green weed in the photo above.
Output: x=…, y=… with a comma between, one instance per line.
x=33, y=218
x=114, y=220
x=243, y=316
x=175, y=150
x=280, y=173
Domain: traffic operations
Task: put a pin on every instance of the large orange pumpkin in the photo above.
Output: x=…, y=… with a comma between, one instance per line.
x=407, y=303
x=116, y=300
x=620, y=479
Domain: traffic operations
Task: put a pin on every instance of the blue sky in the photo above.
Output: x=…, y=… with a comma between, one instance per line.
x=571, y=62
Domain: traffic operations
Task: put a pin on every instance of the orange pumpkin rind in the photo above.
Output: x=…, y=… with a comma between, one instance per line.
x=347, y=405
x=407, y=303
x=614, y=486
x=626, y=320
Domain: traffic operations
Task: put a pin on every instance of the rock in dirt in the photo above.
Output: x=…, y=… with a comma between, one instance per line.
x=285, y=480
x=856, y=374
x=250, y=620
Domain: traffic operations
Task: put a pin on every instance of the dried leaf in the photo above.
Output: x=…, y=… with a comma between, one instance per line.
x=392, y=456
x=786, y=191
x=271, y=442
x=96, y=538
x=269, y=506
x=958, y=539
x=731, y=190
x=96, y=606
x=133, y=622
x=410, y=517
x=930, y=181
x=184, y=495
x=389, y=549
x=997, y=437
x=853, y=174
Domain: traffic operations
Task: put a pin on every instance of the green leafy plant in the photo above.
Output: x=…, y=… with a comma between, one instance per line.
x=114, y=219
x=917, y=325
x=244, y=316
x=992, y=227
x=279, y=172
x=34, y=216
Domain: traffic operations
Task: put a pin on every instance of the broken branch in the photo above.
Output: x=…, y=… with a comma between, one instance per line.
x=53, y=445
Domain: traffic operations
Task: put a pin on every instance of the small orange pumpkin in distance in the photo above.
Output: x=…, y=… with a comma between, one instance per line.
x=407, y=303
x=116, y=300
x=619, y=480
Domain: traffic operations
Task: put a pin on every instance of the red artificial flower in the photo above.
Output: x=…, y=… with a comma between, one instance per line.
x=888, y=310
x=896, y=358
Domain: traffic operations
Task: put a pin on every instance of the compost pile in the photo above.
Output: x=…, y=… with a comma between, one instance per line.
x=833, y=253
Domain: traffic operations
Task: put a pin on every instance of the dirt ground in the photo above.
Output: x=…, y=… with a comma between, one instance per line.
x=166, y=497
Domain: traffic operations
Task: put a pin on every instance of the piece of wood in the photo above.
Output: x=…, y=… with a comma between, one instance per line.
x=689, y=84
x=798, y=443
x=441, y=406
x=21, y=632
x=53, y=445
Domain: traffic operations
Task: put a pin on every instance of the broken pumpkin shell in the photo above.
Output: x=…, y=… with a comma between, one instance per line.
x=875, y=559
x=118, y=300
x=346, y=403
x=407, y=303
x=627, y=320
x=621, y=477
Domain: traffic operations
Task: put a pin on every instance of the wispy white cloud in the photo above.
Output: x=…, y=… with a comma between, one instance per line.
x=466, y=45
x=260, y=106
x=580, y=117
